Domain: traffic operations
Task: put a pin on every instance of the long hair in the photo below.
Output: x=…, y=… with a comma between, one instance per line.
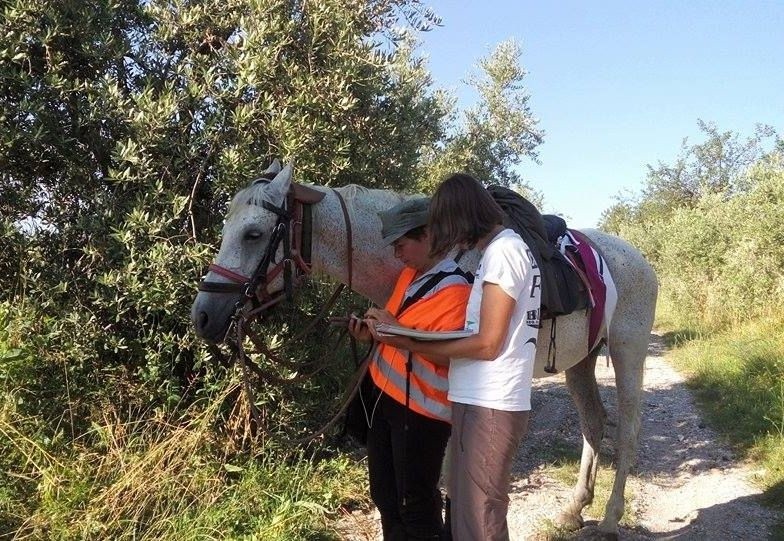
x=461, y=211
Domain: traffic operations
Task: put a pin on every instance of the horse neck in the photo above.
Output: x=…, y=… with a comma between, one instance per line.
x=374, y=267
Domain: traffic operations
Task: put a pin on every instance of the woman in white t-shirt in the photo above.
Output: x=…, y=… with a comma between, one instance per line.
x=490, y=372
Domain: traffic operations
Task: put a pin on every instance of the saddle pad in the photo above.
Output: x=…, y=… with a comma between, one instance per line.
x=602, y=293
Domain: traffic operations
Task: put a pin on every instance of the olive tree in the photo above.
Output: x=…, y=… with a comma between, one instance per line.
x=125, y=126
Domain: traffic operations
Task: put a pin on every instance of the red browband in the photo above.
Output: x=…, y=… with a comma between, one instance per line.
x=226, y=273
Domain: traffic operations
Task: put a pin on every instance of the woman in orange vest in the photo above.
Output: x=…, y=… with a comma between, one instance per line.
x=409, y=414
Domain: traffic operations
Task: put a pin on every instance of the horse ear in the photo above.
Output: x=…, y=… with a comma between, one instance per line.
x=279, y=186
x=273, y=169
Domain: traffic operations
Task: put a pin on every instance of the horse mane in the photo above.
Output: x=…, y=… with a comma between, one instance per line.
x=351, y=191
x=384, y=198
x=255, y=193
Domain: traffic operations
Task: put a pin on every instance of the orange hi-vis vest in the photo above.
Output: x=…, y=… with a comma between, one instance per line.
x=443, y=310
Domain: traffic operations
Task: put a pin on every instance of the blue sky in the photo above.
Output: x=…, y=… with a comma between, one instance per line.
x=618, y=85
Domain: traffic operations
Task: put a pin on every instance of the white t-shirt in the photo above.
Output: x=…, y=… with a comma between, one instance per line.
x=505, y=382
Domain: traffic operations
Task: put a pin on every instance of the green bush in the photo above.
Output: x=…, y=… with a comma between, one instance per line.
x=125, y=127
x=172, y=478
x=711, y=225
x=738, y=377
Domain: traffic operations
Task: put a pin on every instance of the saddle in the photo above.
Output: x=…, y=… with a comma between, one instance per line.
x=571, y=278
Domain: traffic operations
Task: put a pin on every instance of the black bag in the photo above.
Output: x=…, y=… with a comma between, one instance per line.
x=561, y=287
x=355, y=422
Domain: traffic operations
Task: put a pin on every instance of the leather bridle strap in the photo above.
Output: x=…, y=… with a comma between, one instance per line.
x=237, y=284
x=249, y=286
x=288, y=230
x=250, y=315
x=349, y=239
x=226, y=273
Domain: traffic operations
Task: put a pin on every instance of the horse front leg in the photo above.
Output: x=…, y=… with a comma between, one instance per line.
x=581, y=381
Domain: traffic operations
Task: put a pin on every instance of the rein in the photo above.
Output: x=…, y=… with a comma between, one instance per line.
x=290, y=229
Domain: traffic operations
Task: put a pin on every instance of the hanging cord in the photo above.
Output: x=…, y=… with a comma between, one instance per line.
x=551, y=350
x=409, y=367
x=370, y=355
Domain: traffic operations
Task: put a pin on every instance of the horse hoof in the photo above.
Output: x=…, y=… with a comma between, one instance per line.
x=569, y=521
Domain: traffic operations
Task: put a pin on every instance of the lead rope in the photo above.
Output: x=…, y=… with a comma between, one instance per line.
x=271, y=353
x=247, y=364
x=355, y=386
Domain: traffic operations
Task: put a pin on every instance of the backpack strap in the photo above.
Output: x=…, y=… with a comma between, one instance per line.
x=430, y=284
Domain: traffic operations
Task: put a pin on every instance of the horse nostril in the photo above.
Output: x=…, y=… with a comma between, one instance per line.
x=202, y=321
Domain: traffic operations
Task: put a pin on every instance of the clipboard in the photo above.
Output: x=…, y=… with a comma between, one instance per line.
x=386, y=328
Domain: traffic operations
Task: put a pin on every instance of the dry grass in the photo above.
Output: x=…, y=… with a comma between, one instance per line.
x=164, y=478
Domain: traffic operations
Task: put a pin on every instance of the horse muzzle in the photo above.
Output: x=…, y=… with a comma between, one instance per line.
x=211, y=315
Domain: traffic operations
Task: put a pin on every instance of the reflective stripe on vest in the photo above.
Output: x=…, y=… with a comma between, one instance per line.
x=394, y=384
x=436, y=381
x=442, y=310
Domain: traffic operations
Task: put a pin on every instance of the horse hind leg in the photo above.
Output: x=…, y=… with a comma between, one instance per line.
x=581, y=381
x=629, y=363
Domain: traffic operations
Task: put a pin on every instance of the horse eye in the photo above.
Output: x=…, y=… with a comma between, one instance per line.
x=253, y=235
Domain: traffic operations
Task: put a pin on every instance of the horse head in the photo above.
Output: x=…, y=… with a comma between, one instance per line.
x=250, y=265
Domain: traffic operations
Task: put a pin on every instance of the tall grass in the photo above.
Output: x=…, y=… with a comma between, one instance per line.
x=174, y=478
x=738, y=376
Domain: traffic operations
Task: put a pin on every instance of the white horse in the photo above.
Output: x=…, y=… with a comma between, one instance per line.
x=246, y=234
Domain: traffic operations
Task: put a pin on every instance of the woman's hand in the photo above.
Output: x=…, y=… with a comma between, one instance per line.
x=358, y=328
x=382, y=316
x=430, y=349
x=400, y=342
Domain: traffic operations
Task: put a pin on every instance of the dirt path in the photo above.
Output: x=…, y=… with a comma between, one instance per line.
x=687, y=485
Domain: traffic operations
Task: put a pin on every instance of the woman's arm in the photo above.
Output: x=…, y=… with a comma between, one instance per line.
x=495, y=314
x=378, y=315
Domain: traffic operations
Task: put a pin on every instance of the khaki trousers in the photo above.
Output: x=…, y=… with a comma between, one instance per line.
x=483, y=445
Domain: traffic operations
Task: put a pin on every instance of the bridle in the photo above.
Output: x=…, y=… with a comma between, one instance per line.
x=293, y=229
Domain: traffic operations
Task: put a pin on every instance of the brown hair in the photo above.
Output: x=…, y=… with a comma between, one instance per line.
x=461, y=211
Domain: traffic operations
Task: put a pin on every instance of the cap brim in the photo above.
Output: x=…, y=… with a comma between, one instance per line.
x=388, y=240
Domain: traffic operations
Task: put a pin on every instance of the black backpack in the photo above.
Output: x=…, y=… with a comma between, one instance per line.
x=562, y=290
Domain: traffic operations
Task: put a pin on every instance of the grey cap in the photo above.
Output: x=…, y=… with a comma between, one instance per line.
x=402, y=218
